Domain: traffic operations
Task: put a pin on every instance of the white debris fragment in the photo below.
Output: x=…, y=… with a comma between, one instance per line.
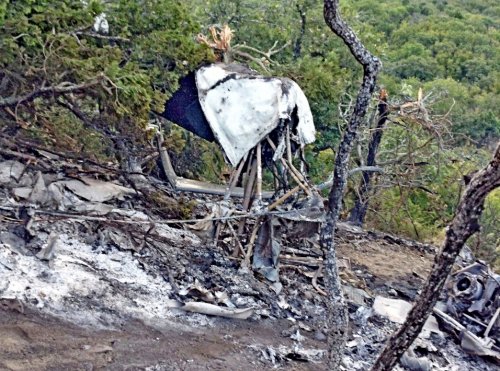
x=396, y=310
x=96, y=190
x=49, y=250
x=214, y=310
x=101, y=24
x=10, y=171
x=297, y=336
x=242, y=109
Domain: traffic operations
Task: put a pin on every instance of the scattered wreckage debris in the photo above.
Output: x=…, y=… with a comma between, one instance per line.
x=98, y=263
x=397, y=310
x=470, y=312
x=283, y=353
x=472, y=309
x=214, y=310
x=256, y=120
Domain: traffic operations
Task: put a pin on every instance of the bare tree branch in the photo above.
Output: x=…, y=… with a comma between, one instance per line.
x=96, y=35
x=62, y=88
x=372, y=169
x=249, y=57
x=358, y=212
x=267, y=54
x=337, y=315
x=298, y=42
x=464, y=224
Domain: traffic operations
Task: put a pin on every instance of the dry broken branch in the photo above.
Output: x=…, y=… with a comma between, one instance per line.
x=273, y=50
x=220, y=42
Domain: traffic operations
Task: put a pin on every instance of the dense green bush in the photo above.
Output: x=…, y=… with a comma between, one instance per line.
x=125, y=75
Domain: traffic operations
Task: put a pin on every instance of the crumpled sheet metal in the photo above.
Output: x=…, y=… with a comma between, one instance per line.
x=310, y=209
x=93, y=190
x=473, y=302
x=397, y=310
x=185, y=110
x=474, y=290
x=242, y=108
x=266, y=251
x=474, y=345
x=11, y=171
x=470, y=342
x=96, y=190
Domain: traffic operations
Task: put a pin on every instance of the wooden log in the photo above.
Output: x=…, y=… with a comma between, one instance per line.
x=168, y=169
x=235, y=175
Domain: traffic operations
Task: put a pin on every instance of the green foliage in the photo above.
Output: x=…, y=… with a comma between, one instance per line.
x=423, y=201
x=321, y=164
x=436, y=41
x=486, y=244
x=127, y=74
x=68, y=134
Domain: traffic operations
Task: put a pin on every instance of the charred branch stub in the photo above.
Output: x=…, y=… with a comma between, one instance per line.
x=358, y=212
x=297, y=49
x=337, y=316
x=221, y=42
x=464, y=224
x=226, y=53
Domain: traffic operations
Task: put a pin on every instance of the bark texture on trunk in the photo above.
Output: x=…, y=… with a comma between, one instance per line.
x=358, y=212
x=337, y=318
x=464, y=224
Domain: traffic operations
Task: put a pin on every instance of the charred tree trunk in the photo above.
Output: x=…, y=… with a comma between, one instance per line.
x=358, y=212
x=337, y=318
x=298, y=43
x=464, y=224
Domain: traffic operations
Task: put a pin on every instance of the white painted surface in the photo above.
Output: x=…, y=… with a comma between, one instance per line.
x=243, y=110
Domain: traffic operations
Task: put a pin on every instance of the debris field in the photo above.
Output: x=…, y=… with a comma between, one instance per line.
x=95, y=271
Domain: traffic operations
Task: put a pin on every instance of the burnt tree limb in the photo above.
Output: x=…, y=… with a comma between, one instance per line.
x=56, y=90
x=298, y=43
x=337, y=318
x=358, y=212
x=464, y=224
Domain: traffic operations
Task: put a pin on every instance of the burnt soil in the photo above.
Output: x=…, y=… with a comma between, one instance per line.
x=33, y=341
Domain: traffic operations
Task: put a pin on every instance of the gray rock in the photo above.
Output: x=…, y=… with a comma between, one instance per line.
x=11, y=172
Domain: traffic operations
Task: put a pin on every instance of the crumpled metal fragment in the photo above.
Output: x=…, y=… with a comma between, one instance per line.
x=267, y=249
